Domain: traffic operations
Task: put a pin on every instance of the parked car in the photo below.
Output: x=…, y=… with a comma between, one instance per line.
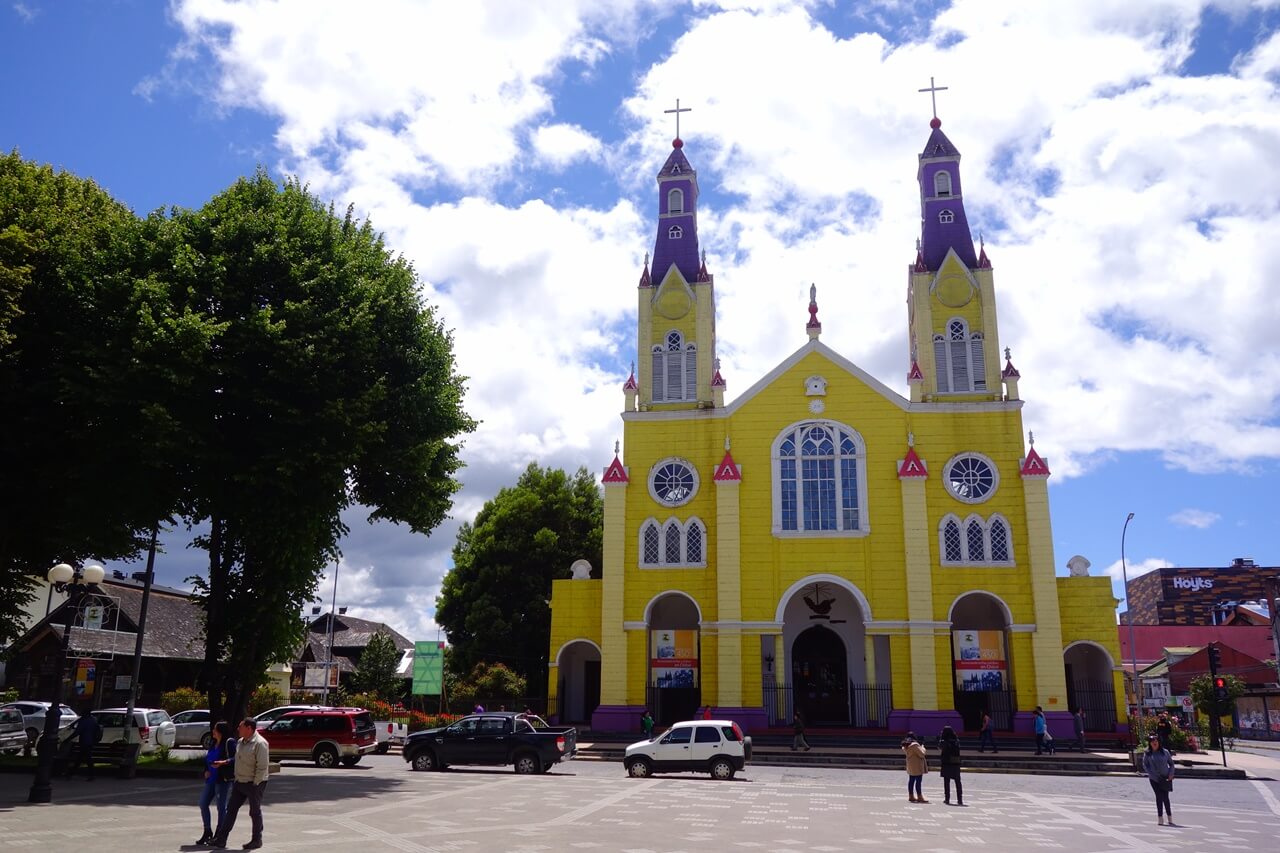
x=493, y=738
x=390, y=733
x=193, y=728
x=33, y=717
x=154, y=727
x=266, y=718
x=13, y=731
x=324, y=735
x=711, y=746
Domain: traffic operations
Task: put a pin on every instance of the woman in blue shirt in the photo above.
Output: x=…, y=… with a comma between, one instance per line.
x=218, y=773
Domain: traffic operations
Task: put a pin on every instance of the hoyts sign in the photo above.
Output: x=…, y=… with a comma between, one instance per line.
x=1193, y=584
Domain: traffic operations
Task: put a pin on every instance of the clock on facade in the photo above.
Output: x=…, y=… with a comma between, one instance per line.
x=673, y=482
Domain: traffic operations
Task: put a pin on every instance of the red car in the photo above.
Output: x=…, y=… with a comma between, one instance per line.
x=324, y=735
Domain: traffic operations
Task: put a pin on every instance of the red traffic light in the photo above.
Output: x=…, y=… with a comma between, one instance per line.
x=1219, y=682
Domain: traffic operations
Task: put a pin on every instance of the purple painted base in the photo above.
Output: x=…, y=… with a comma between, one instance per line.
x=748, y=719
x=1059, y=723
x=923, y=723
x=616, y=718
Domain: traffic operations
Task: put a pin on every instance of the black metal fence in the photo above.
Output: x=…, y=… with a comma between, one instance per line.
x=1098, y=701
x=867, y=706
x=1000, y=704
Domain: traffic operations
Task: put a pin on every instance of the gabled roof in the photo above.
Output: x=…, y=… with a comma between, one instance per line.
x=938, y=145
x=352, y=632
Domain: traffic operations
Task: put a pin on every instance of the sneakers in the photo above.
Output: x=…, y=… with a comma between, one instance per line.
x=252, y=844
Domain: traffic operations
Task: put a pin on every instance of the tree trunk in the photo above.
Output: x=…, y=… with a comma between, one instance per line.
x=215, y=630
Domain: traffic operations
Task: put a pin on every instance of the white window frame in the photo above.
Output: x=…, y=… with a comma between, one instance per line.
x=941, y=177
x=966, y=558
x=685, y=356
x=681, y=530
x=860, y=456
x=973, y=358
x=995, y=477
x=673, y=460
x=946, y=217
x=675, y=200
x=675, y=232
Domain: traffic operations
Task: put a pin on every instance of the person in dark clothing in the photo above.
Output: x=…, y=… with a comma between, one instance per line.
x=1164, y=729
x=949, y=748
x=987, y=734
x=1157, y=762
x=87, y=735
x=1077, y=720
x=797, y=725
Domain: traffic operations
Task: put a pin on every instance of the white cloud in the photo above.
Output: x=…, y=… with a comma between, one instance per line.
x=561, y=145
x=1198, y=518
x=25, y=12
x=1136, y=568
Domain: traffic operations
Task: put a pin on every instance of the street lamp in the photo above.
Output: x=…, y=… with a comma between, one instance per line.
x=76, y=584
x=1133, y=646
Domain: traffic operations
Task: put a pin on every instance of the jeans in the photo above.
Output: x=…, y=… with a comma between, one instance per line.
x=83, y=755
x=946, y=789
x=1162, y=798
x=213, y=788
x=986, y=738
x=241, y=791
x=913, y=786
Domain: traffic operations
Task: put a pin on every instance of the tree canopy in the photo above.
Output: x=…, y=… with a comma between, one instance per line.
x=495, y=602
x=377, y=673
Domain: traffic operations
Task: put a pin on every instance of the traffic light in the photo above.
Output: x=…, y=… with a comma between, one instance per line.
x=1220, y=689
x=1215, y=658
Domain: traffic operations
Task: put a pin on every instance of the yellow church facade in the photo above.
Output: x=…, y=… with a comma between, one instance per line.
x=823, y=545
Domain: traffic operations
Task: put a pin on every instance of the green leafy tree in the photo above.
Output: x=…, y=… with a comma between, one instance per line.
x=376, y=673
x=324, y=382
x=495, y=602
x=181, y=699
x=1202, y=694
x=264, y=698
x=85, y=451
x=490, y=683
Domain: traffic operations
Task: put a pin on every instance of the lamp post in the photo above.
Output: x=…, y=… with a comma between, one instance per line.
x=76, y=584
x=1133, y=646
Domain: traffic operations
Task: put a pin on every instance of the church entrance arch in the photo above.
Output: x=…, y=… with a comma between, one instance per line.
x=1090, y=686
x=980, y=660
x=824, y=640
x=578, y=681
x=674, y=686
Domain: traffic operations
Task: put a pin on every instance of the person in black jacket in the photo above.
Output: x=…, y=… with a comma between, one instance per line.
x=949, y=748
x=88, y=733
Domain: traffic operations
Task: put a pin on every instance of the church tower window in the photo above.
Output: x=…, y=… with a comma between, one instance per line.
x=675, y=370
x=959, y=359
x=650, y=544
x=983, y=543
x=673, y=545
x=952, y=551
x=946, y=217
x=693, y=543
x=819, y=481
x=974, y=540
x=675, y=201
x=675, y=232
x=942, y=183
x=998, y=533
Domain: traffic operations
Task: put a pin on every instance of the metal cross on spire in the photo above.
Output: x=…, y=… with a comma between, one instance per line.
x=677, y=111
x=933, y=91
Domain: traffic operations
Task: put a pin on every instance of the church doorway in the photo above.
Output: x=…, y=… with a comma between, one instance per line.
x=1090, y=685
x=578, y=684
x=674, y=687
x=980, y=660
x=820, y=676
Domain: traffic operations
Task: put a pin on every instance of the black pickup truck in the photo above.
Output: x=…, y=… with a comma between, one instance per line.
x=501, y=738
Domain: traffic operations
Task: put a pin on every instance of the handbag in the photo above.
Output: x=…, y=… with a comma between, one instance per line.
x=227, y=772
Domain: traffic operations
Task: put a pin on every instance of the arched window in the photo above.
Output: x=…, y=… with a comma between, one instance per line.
x=975, y=541
x=959, y=359
x=675, y=369
x=675, y=201
x=675, y=232
x=672, y=544
x=946, y=217
x=952, y=551
x=693, y=537
x=650, y=544
x=998, y=533
x=942, y=184
x=819, y=482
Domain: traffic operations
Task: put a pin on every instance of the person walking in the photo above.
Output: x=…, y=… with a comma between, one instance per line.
x=218, y=770
x=251, y=769
x=87, y=735
x=1077, y=720
x=646, y=724
x=1158, y=764
x=987, y=734
x=1041, y=728
x=797, y=725
x=949, y=759
x=917, y=766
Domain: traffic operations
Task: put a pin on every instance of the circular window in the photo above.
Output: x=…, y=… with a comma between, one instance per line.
x=673, y=482
x=971, y=478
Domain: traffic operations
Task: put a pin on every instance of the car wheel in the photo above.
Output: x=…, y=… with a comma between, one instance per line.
x=383, y=748
x=206, y=740
x=351, y=761
x=527, y=762
x=722, y=768
x=325, y=756
x=640, y=768
x=425, y=760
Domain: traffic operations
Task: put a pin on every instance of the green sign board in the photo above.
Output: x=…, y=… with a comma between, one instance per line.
x=428, y=668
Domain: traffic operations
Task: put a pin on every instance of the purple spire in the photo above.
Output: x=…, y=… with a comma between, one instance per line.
x=943, y=221
x=677, y=238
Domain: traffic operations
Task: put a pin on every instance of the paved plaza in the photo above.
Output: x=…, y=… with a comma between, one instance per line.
x=588, y=806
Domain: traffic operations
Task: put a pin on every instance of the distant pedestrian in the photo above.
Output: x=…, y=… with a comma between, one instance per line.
x=1158, y=764
x=706, y=713
x=252, y=768
x=917, y=766
x=1041, y=729
x=219, y=772
x=949, y=759
x=1050, y=745
x=646, y=724
x=987, y=734
x=479, y=709
x=1164, y=729
x=87, y=735
x=1078, y=720
x=797, y=725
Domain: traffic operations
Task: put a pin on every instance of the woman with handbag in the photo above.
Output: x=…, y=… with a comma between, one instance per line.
x=949, y=747
x=218, y=773
x=1158, y=764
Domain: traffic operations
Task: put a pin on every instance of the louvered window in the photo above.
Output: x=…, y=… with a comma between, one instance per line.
x=940, y=362
x=819, y=486
x=675, y=201
x=974, y=539
x=942, y=183
x=977, y=363
x=690, y=372
x=959, y=359
x=675, y=370
x=951, y=548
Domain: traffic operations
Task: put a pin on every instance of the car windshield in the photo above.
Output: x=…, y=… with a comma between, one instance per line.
x=156, y=718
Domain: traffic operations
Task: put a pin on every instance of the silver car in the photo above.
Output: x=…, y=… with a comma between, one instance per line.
x=153, y=728
x=13, y=731
x=193, y=728
x=33, y=718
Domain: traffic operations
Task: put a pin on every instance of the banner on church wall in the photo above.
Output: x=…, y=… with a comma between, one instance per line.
x=979, y=660
x=673, y=658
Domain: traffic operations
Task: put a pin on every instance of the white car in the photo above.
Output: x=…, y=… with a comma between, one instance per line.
x=193, y=728
x=154, y=728
x=33, y=717
x=266, y=718
x=702, y=746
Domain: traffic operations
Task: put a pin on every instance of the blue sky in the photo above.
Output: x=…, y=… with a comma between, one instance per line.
x=1120, y=163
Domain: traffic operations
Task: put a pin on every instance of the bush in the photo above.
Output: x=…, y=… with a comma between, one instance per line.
x=182, y=699
x=419, y=721
x=10, y=695
x=266, y=698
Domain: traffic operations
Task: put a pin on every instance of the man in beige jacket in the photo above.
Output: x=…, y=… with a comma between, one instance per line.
x=252, y=766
